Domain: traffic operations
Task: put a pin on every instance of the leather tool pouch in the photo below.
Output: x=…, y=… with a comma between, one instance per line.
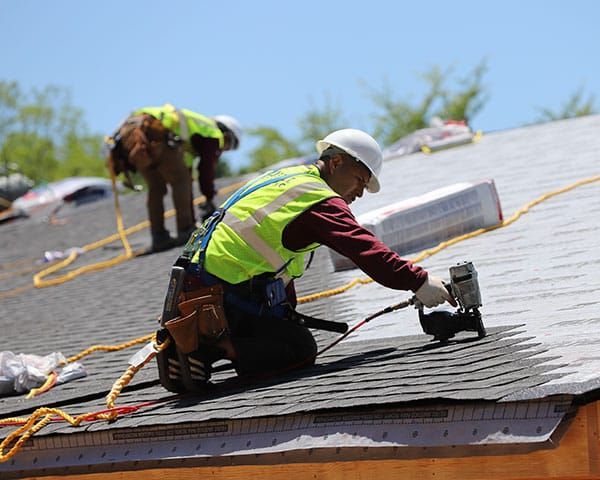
x=201, y=321
x=142, y=140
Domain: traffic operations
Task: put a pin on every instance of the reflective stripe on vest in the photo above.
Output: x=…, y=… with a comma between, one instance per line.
x=184, y=131
x=248, y=241
x=246, y=228
x=185, y=123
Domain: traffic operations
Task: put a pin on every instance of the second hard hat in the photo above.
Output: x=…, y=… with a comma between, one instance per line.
x=359, y=145
x=230, y=124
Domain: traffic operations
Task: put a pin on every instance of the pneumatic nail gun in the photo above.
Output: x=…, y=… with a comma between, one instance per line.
x=464, y=286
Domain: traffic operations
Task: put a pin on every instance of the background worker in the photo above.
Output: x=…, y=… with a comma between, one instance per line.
x=261, y=242
x=161, y=144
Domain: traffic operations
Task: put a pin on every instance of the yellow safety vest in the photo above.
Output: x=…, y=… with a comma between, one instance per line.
x=184, y=123
x=248, y=240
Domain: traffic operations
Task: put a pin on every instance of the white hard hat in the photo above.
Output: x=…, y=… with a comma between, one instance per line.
x=230, y=124
x=359, y=145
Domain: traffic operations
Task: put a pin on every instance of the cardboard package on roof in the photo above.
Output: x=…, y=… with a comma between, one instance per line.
x=421, y=222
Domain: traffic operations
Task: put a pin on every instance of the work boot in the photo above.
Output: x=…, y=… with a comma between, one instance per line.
x=162, y=241
x=184, y=236
x=169, y=368
x=196, y=367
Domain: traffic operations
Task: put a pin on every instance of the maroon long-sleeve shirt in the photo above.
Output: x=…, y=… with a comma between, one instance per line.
x=331, y=223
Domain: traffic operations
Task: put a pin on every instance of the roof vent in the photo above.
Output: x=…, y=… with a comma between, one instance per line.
x=424, y=221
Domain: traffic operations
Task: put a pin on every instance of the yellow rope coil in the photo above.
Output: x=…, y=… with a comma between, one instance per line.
x=38, y=279
x=42, y=416
x=34, y=423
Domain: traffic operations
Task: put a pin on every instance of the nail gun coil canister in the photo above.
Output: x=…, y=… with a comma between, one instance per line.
x=465, y=285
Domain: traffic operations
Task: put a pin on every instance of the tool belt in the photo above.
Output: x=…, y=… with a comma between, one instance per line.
x=198, y=322
x=186, y=363
x=201, y=321
x=139, y=143
x=265, y=296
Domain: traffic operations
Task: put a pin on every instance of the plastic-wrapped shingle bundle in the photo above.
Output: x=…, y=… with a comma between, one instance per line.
x=422, y=222
x=438, y=136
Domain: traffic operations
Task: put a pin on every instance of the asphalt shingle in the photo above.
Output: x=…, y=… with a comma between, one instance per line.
x=540, y=273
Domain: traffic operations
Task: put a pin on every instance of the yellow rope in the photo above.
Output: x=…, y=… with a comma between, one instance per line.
x=109, y=348
x=17, y=263
x=37, y=278
x=121, y=234
x=47, y=385
x=34, y=423
x=128, y=375
x=44, y=414
x=432, y=251
x=22, y=271
x=95, y=348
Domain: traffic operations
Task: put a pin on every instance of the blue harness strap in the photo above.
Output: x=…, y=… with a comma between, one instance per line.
x=200, y=239
x=211, y=223
x=253, y=307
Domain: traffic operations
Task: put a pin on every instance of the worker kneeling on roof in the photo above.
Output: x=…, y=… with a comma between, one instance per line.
x=238, y=291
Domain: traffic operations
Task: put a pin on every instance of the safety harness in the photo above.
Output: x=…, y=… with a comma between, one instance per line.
x=260, y=296
x=263, y=296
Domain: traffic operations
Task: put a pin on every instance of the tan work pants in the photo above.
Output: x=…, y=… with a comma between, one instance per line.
x=160, y=164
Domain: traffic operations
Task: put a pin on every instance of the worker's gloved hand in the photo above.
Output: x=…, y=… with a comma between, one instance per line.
x=433, y=293
x=207, y=209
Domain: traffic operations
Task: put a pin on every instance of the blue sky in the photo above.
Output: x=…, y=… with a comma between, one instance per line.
x=267, y=62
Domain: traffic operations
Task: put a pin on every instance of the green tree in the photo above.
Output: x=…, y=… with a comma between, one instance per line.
x=469, y=99
x=10, y=95
x=575, y=106
x=45, y=135
x=399, y=117
x=317, y=122
x=394, y=118
x=314, y=124
x=81, y=155
x=273, y=146
x=223, y=168
x=33, y=154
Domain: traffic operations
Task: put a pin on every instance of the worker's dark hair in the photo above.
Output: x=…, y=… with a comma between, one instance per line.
x=330, y=151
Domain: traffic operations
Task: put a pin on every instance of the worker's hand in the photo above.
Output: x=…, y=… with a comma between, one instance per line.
x=433, y=293
x=207, y=210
